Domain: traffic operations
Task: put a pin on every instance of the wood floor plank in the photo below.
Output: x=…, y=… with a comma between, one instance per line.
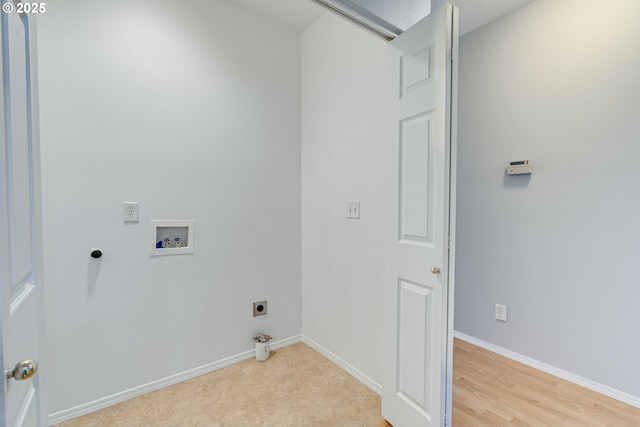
x=492, y=390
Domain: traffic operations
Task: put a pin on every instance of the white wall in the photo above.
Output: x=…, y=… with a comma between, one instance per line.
x=197, y=116
x=556, y=82
x=343, y=70
x=195, y=113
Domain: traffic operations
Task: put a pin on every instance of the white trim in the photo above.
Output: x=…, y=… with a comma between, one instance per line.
x=21, y=298
x=453, y=27
x=377, y=388
x=27, y=404
x=560, y=373
x=104, y=402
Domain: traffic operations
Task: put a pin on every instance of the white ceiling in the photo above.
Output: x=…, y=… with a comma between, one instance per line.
x=295, y=14
x=299, y=14
x=476, y=13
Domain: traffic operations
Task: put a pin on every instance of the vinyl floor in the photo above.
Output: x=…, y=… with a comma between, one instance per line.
x=297, y=386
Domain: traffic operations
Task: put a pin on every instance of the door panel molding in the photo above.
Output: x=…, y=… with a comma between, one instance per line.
x=416, y=70
x=416, y=178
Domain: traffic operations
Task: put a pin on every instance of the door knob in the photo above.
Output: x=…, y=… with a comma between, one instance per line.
x=435, y=270
x=23, y=370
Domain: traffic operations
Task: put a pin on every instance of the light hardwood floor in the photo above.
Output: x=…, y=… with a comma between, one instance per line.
x=299, y=387
x=491, y=390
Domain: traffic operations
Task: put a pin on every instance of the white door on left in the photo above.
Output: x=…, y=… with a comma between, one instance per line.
x=20, y=223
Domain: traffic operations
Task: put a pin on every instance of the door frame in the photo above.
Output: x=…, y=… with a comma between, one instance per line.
x=452, y=136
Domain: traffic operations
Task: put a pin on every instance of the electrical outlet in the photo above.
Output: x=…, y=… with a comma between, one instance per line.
x=501, y=312
x=131, y=212
x=259, y=308
x=353, y=209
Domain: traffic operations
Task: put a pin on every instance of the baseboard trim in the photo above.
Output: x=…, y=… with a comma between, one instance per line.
x=350, y=369
x=105, y=402
x=549, y=369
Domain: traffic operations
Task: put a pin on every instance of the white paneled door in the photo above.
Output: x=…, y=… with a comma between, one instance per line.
x=422, y=71
x=20, y=224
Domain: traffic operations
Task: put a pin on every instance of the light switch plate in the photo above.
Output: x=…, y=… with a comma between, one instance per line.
x=353, y=209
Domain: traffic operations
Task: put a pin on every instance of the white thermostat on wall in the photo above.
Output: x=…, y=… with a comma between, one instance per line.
x=520, y=167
